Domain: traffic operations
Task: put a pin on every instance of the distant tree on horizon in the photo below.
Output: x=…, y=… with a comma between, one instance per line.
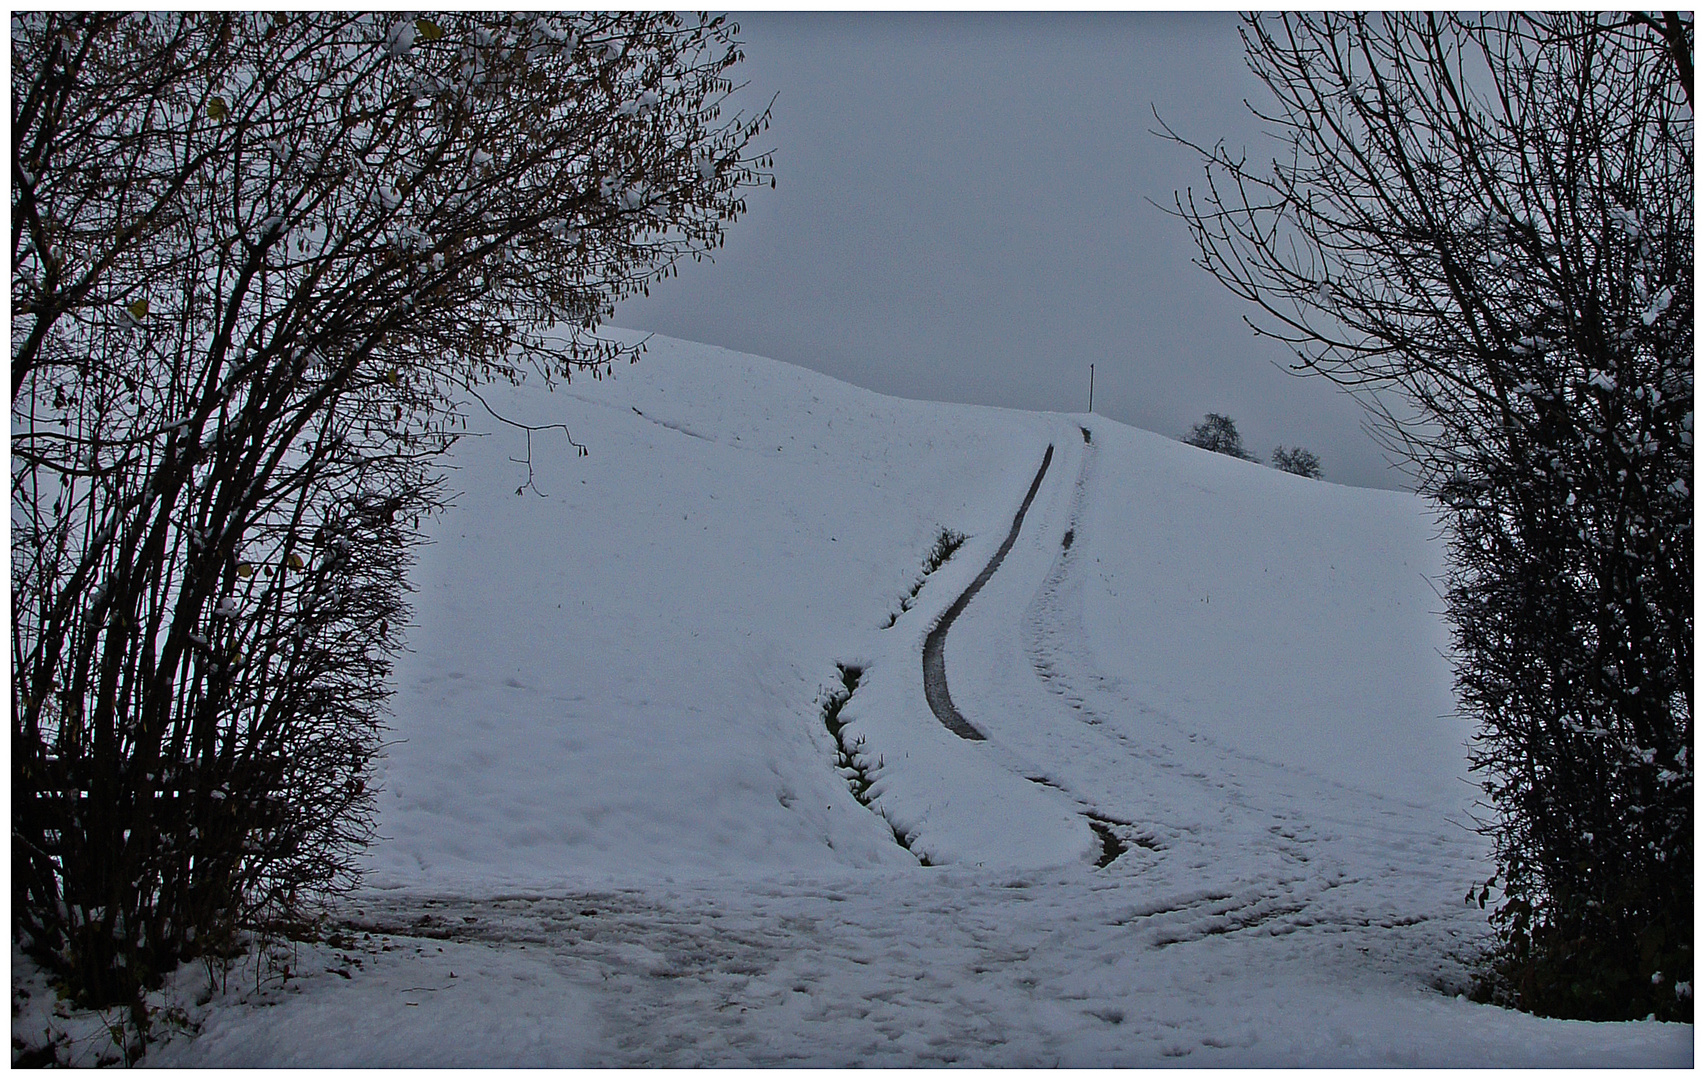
x=1296, y=460
x=1219, y=434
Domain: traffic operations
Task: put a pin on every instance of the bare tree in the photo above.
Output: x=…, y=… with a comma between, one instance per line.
x=1295, y=459
x=256, y=258
x=1484, y=228
x=1219, y=434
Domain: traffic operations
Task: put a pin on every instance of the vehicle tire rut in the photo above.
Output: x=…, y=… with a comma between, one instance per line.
x=935, y=662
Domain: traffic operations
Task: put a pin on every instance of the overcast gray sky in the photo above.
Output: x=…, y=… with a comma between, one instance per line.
x=960, y=215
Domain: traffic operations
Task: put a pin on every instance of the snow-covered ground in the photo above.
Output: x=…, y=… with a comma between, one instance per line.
x=615, y=832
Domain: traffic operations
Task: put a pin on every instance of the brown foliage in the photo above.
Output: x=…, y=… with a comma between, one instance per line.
x=257, y=261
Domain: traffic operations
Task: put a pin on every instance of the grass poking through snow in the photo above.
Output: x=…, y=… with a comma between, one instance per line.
x=947, y=541
x=850, y=759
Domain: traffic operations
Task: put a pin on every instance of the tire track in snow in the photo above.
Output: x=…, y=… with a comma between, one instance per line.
x=1056, y=643
x=1047, y=638
x=1116, y=835
x=935, y=662
x=1301, y=860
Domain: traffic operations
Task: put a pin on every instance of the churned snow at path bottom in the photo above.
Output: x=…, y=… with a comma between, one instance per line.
x=1220, y=815
x=890, y=970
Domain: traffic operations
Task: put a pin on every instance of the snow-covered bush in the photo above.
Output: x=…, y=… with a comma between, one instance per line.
x=1483, y=226
x=255, y=255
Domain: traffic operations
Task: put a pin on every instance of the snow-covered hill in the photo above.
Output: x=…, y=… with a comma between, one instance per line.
x=1217, y=818
x=625, y=677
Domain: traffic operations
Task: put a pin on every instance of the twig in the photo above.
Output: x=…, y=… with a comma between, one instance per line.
x=528, y=429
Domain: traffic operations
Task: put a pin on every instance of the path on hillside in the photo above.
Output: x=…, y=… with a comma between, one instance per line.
x=1289, y=849
x=935, y=662
x=1258, y=916
x=1283, y=847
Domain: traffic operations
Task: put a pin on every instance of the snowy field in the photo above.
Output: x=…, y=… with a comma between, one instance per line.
x=1218, y=818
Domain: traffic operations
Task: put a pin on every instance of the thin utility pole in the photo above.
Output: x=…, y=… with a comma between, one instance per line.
x=1092, y=388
